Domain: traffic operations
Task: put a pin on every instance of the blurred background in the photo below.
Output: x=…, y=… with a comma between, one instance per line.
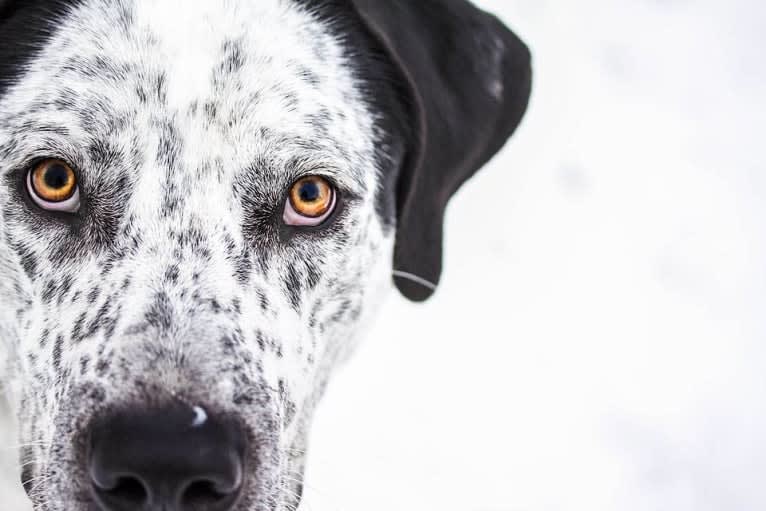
x=599, y=338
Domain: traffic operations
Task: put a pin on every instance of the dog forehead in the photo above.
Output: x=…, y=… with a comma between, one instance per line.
x=224, y=73
x=271, y=52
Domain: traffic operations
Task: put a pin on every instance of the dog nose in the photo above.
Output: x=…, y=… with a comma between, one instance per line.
x=166, y=459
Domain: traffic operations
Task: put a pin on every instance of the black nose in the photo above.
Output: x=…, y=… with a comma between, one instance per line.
x=166, y=459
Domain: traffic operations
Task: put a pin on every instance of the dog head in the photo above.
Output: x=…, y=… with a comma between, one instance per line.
x=200, y=204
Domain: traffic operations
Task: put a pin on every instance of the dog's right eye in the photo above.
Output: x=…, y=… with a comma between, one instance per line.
x=311, y=201
x=52, y=184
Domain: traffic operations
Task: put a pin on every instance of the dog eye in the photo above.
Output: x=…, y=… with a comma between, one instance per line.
x=311, y=201
x=52, y=184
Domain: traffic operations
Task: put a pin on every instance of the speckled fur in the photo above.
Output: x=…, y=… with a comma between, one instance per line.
x=187, y=122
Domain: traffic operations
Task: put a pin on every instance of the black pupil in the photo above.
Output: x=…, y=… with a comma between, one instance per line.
x=56, y=177
x=310, y=191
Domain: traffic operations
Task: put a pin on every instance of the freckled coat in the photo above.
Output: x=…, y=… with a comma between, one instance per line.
x=187, y=122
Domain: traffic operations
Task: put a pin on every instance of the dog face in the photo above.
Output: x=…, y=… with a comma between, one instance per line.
x=201, y=203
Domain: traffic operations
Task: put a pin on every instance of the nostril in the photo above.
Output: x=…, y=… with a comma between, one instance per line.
x=202, y=494
x=127, y=490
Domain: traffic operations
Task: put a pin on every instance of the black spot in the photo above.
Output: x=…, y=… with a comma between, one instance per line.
x=313, y=275
x=231, y=246
x=93, y=295
x=64, y=288
x=105, y=154
x=44, y=338
x=141, y=92
x=160, y=315
x=109, y=323
x=58, y=347
x=48, y=291
x=261, y=340
x=171, y=274
x=161, y=87
x=211, y=111
x=290, y=100
x=293, y=286
x=84, y=363
x=28, y=260
x=234, y=57
x=308, y=75
x=243, y=399
x=97, y=394
x=102, y=366
x=77, y=334
x=169, y=147
x=227, y=343
x=263, y=299
x=243, y=267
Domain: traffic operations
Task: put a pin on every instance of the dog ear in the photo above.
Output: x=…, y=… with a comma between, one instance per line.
x=469, y=80
x=8, y=7
x=4, y=9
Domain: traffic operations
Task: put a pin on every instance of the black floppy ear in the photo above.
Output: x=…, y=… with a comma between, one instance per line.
x=469, y=81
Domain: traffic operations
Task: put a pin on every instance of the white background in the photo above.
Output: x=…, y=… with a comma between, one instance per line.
x=599, y=338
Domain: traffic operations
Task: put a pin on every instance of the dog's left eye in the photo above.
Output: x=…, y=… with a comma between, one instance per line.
x=52, y=184
x=311, y=201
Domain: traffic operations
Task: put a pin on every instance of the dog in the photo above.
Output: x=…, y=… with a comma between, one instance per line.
x=202, y=202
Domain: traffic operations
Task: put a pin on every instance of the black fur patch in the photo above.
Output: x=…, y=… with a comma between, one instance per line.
x=26, y=26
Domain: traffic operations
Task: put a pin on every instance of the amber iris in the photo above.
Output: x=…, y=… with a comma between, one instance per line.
x=312, y=196
x=53, y=181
